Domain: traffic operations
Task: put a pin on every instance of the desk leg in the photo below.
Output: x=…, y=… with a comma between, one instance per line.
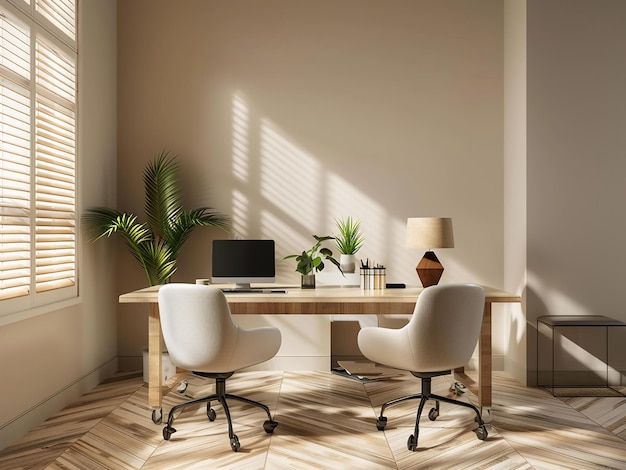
x=484, y=359
x=154, y=363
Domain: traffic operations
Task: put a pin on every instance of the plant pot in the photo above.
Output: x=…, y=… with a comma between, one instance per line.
x=307, y=281
x=347, y=263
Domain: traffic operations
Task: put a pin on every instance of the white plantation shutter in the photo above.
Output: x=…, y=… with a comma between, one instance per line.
x=38, y=150
x=15, y=158
x=55, y=176
x=15, y=238
x=62, y=14
x=15, y=199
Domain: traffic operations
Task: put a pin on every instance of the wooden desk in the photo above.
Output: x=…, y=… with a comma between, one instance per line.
x=323, y=300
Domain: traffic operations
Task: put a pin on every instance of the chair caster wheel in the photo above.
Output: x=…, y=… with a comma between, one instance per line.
x=269, y=426
x=167, y=432
x=411, y=443
x=234, y=443
x=433, y=414
x=157, y=415
x=481, y=432
x=210, y=412
x=381, y=422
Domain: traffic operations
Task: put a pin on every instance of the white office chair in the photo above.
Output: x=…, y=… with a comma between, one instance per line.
x=201, y=336
x=440, y=336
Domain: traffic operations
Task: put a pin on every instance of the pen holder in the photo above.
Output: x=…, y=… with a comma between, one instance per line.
x=373, y=278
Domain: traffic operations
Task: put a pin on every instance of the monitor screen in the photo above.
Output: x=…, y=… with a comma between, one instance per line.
x=243, y=262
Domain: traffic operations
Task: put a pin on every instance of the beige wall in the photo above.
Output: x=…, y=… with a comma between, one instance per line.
x=289, y=114
x=576, y=164
x=50, y=359
x=576, y=111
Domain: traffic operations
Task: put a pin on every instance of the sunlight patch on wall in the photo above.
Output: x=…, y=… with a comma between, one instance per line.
x=240, y=216
x=241, y=133
x=454, y=271
x=291, y=178
x=346, y=200
x=276, y=228
x=384, y=235
x=287, y=240
x=385, y=244
x=555, y=301
x=517, y=323
x=292, y=196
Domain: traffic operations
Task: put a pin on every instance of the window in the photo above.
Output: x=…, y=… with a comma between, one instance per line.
x=38, y=106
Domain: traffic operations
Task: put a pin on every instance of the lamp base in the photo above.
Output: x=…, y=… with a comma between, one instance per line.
x=429, y=269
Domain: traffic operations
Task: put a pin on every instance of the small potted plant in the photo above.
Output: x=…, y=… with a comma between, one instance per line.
x=312, y=260
x=349, y=241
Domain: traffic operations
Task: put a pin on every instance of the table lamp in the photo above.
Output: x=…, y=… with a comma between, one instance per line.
x=429, y=233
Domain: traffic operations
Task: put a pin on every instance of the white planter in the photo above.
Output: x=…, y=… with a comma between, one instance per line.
x=167, y=367
x=347, y=263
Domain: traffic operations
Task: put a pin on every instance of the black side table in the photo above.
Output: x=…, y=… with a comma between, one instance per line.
x=581, y=355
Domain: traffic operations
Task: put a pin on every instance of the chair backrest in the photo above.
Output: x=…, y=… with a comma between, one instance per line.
x=445, y=325
x=197, y=326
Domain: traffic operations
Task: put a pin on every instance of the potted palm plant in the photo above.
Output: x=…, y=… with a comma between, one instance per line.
x=349, y=242
x=155, y=243
x=312, y=260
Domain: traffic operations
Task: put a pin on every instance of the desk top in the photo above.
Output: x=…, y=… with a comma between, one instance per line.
x=322, y=300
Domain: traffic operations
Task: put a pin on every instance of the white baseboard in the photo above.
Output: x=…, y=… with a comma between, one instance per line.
x=17, y=427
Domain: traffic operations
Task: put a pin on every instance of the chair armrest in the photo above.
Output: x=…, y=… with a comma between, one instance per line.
x=255, y=345
x=386, y=346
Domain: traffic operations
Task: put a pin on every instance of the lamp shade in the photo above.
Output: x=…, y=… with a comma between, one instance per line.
x=429, y=232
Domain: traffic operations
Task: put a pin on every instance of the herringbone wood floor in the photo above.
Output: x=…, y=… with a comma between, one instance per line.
x=326, y=421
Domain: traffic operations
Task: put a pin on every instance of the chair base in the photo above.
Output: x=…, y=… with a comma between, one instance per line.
x=221, y=396
x=433, y=414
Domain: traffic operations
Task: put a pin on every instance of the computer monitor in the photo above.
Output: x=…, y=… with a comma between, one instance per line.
x=243, y=262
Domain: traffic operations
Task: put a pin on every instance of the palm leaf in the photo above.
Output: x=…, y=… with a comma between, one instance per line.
x=99, y=222
x=181, y=228
x=163, y=198
x=135, y=235
x=156, y=258
x=154, y=244
x=104, y=222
